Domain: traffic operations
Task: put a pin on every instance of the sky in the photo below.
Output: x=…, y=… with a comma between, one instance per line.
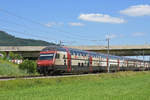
x=78, y=22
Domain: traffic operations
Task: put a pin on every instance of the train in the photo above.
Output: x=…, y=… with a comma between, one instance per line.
x=60, y=59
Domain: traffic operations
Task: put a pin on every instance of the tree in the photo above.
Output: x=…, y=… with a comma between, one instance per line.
x=4, y=55
x=28, y=65
x=14, y=56
x=11, y=55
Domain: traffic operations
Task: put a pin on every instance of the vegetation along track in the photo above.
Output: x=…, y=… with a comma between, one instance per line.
x=19, y=77
x=41, y=76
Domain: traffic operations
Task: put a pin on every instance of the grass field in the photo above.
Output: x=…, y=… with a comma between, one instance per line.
x=9, y=69
x=118, y=86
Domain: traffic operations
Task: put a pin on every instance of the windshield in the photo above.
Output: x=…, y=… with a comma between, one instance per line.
x=48, y=56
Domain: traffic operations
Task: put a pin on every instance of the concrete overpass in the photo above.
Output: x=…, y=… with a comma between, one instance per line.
x=128, y=50
x=25, y=51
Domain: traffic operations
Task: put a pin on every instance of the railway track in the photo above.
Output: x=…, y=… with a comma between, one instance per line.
x=41, y=76
x=19, y=77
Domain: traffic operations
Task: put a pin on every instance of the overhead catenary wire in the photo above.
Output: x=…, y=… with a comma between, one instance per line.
x=23, y=26
x=20, y=32
x=38, y=23
x=29, y=28
x=67, y=34
x=5, y=27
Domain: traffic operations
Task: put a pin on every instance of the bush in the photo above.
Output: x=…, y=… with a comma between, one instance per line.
x=10, y=69
x=29, y=66
x=14, y=56
x=4, y=55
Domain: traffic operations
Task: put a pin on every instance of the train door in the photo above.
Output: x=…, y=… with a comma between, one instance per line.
x=68, y=61
x=118, y=61
x=90, y=63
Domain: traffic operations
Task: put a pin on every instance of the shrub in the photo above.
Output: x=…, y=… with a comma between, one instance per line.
x=14, y=56
x=29, y=66
x=9, y=69
x=4, y=55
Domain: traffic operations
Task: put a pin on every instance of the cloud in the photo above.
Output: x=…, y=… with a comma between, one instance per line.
x=110, y=36
x=101, y=18
x=138, y=10
x=137, y=34
x=50, y=24
x=76, y=24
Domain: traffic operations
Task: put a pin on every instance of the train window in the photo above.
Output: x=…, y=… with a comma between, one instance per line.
x=78, y=54
x=64, y=57
x=88, y=64
x=57, y=55
x=82, y=65
x=75, y=54
x=82, y=54
x=64, y=62
x=72, y=53
x=78, y=64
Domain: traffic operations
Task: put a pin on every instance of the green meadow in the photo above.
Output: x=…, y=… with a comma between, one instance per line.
x=9, y=69
x=115, y=86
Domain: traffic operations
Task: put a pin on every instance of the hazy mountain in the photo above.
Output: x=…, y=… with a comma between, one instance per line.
x=9, y=40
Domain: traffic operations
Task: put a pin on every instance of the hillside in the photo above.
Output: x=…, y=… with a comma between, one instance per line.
x=9, y=40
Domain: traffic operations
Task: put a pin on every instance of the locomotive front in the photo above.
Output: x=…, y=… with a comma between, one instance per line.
x=46, y=61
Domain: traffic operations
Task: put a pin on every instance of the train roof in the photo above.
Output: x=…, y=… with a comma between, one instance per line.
x=72, y=50
x=58, y=48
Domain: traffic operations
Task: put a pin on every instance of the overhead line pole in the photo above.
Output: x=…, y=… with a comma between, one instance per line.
x=108, y=54
x=149, y=62
x=143, y=58
x=108, y=45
